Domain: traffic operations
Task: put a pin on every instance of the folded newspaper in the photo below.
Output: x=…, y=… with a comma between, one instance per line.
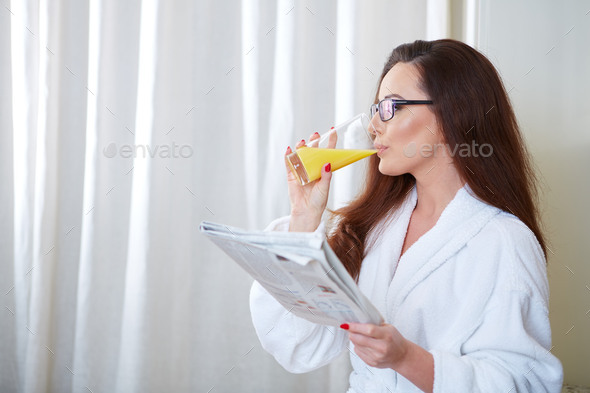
x=299, y=270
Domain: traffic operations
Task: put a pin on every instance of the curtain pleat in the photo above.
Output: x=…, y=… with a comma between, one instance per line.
x=124, y=125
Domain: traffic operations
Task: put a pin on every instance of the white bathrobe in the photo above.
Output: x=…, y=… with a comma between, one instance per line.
x=472, y=291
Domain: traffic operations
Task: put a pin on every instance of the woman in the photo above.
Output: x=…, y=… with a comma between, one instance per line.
x=444, y=240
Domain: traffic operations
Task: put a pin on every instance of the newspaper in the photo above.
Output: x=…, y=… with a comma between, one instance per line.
x=299, y=270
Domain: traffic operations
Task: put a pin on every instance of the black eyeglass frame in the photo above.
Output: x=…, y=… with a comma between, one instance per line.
x=375, y=107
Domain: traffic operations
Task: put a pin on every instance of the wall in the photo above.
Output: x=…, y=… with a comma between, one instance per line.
x=541, y=51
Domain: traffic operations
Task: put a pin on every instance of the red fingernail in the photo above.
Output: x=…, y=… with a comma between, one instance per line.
x=344, y=326
x=317, y=133
x=332, y=128
x=288, y=150
x=328, y=168
x=302, y=141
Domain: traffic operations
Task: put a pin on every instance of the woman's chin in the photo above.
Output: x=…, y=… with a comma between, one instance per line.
x=390, y=169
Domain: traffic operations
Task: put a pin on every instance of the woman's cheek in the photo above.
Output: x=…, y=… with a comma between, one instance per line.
x=393, y=164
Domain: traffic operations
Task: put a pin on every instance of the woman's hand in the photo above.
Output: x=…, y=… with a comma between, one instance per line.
x=307, y=202
x=380, y=346
x=383, y=346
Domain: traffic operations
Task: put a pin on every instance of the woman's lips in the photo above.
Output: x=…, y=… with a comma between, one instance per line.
x=380, y=148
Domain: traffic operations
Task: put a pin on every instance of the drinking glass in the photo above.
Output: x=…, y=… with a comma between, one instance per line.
x=344, y=144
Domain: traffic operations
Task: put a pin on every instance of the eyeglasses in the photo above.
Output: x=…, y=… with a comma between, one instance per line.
x=388, y=106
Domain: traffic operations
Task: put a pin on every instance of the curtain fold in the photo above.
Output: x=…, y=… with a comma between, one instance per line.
x=124, y=125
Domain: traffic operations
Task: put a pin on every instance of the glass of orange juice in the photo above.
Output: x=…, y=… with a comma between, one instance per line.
x=342, y=145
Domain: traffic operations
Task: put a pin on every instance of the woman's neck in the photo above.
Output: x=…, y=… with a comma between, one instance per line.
x=436, y=189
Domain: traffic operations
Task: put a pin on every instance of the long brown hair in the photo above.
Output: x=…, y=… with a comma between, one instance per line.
x=471, y=107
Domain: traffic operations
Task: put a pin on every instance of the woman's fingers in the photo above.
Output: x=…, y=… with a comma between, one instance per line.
x=290, y=175
x=324, y=182
x=366, y=329
x=301, y=143
x=361, y=340
x=333, y=138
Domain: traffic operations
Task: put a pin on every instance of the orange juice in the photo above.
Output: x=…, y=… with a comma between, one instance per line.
x=307, y=162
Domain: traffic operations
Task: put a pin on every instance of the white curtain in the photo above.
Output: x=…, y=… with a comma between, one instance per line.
x=126, y=123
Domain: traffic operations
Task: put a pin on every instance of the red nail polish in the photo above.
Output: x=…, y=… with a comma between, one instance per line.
x=344, y=326
x=328, y=167
x=332, y=128
x=302, y=141
x=288, y=150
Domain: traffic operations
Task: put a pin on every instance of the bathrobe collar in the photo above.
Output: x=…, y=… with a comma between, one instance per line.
x=460, y=221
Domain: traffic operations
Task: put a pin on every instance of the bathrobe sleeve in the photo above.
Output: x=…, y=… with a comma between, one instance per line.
x=508, y=350
x=297, y=344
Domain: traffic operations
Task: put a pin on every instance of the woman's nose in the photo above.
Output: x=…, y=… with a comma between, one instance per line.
x=372, y=124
